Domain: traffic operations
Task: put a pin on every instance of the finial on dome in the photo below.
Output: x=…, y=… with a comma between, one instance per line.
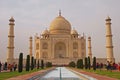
x=11, y=19
x=59, y=12
x=108, y=18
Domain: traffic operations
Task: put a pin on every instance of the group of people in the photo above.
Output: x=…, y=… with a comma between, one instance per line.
x=112, y=66
x=108, y=66
x=8, y=67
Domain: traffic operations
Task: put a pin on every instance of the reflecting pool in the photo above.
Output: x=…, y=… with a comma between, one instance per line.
x=62, y=73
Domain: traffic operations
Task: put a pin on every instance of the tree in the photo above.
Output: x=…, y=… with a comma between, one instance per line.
x=42, y=64
x=5, y=68
x=89, y=65
x=72, y=64
x=32, y=63
x=80, y=63
x=38, y=64
x=20, y=64
x=94, y=63
x=86, y=65
x=28, y=63
x=49, y=64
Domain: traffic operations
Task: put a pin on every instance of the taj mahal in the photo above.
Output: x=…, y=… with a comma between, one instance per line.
x=61, y=43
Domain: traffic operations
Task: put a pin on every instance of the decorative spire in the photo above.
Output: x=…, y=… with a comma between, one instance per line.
x=108, y=18
x=59, y=12
x=11, y=19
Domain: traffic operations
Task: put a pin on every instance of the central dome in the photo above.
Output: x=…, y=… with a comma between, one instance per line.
x=60, y=26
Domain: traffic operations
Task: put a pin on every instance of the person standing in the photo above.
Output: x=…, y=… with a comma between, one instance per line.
x=15, y=67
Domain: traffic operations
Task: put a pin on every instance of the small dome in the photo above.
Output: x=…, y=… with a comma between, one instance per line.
x=74, y=32
x=45, y=32
x=60, y=26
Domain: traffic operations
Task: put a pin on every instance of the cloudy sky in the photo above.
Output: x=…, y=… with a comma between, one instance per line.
x=33, y=16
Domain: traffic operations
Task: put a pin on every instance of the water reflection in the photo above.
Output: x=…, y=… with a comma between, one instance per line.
x=61, y=79
x=60, y=73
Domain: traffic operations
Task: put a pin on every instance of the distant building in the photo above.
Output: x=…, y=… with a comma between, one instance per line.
x=60, y=44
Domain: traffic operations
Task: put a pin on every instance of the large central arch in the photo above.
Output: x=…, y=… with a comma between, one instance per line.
x=60, y=50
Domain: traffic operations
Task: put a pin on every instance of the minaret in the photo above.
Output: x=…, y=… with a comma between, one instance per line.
x=89, y=49
x=10, y=51
x=109, y=45
x=30, y=47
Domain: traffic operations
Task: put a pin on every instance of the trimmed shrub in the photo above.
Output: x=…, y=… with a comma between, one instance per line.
x=38, y=64
x=86, y=65
x=48, y=64
x=32, y=63
x=94, y=63
x=42, y=64
x=80, y=63
x=20, y=64
x=72, y=64
x=28, y=63
x=89, y=65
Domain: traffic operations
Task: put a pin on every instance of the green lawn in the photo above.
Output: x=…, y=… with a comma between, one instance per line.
x=112, y=74
x=6, y=75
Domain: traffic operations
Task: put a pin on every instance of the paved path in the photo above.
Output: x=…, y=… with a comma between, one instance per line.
x=99, y=77
x=27, y=76
x=61, y=72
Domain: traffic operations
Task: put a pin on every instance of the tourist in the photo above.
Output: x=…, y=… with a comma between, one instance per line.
x=5, y=65
x=108, y=65
x=0, y=66
x=97, y=65
x=9, y=67
x=15, y=67
x=119, y=66
x=101, y=65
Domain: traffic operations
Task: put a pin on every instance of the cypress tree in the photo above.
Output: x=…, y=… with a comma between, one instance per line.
x=28, y=63
x=42, y=64
x=86, y=66
x=48, y=64
x=32, y=63
x=94, y=63
x=72, y=64
x=81, y=63
x=78, y=63
x=38, y=64
x=89, y=65
x=20, y=64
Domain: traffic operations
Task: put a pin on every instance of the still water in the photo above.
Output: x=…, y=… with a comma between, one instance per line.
x=61, y=73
